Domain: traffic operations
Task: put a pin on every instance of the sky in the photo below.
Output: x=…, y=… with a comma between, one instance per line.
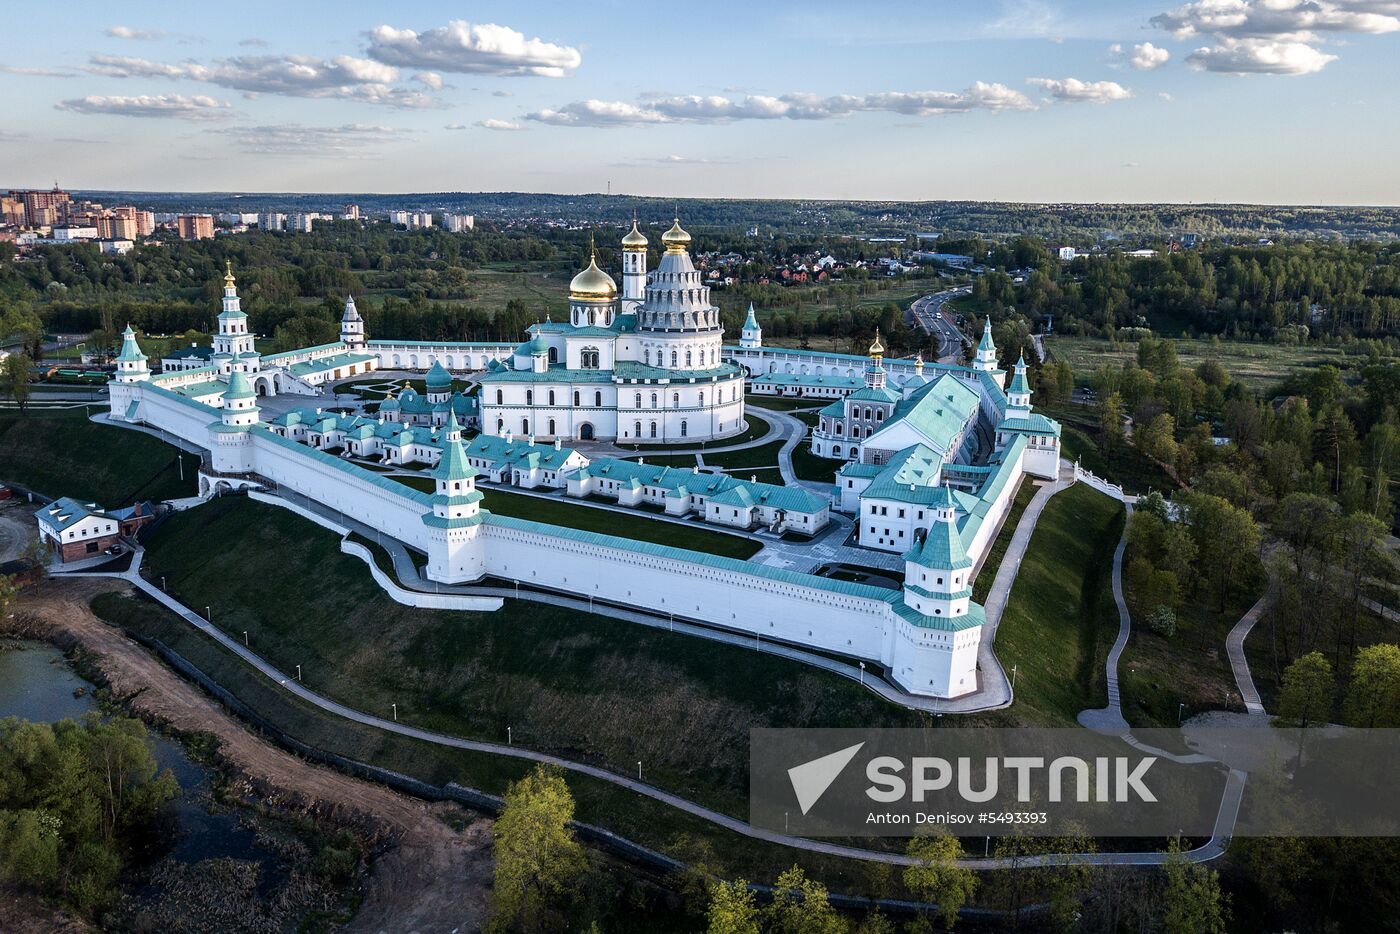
x=1258, y=101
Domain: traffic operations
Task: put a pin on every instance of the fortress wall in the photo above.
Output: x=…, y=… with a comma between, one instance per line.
x=854, y=626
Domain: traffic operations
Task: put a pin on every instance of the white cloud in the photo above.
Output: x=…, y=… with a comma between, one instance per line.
x=35, y=72
x=429, y=79
x=344, y=77
x=1071, y=90
x=345, y=141
x=159, y=105
x=502, y=94
x=655, y=109
x=1276, y=37
x=480, y=48
x=254, y=41
x=1145, y=57
x=494, y=124
x=1284, y=20
x=1260, y=56
x=127, y=32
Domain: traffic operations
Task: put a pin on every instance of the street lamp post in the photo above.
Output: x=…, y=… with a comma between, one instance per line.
x=862, y=673
x=298, y=673
x=396, y=712
x=245, y=638
x=639, y=770
x=510, y=740
x=162, y=583
x=1180, y=708
x=208, y=615
x=1013, y=677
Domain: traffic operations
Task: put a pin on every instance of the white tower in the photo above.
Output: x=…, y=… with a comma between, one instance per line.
x=1018, y=394
x=131, y=362
x=592, y=295
x=352, y=326
x=986, y=359
x=233, y=344
x=634, y=269
x=937, y=571
x=751, y=336
x=240, y=409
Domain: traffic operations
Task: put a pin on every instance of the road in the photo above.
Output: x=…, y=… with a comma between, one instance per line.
x=927, y=315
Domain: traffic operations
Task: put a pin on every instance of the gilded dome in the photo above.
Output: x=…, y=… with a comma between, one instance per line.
x=593, y=283
x=676, y=239
x=635, y=239
x=877, y=348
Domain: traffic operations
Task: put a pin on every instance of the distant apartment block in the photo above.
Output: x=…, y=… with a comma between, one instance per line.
x=195, y=226
x=458, y=223
x=351, y=212
x=272, y=221
x=301, y=223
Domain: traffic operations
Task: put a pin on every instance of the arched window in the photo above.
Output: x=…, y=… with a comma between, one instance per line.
x=673, y=359
x=836, y=451
x=639, y=401
x=653, y=400
x=689, y=359
x=553, y=355
x=867, y=413
x=702, y=397
x=524, y=426
x=598, y=399
x=576, y=402
x=551, y=401
x=636, y=429
x=551, y=427
x=879, y=415
x=500, y=397
x=646, y=356
x=529, y=397
x=675, y=400
x=653, y=429
x=683, y=430
x=500, y=426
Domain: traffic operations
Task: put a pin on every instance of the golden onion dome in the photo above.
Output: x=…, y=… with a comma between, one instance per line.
x=228, y=272
x=676, y=239
x=877, y=348
x=635, y=239
x=593, y=283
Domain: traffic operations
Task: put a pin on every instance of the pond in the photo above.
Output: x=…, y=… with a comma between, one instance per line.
x=38, y=684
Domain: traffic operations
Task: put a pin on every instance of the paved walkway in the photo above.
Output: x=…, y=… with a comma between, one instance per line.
x=1234, y=648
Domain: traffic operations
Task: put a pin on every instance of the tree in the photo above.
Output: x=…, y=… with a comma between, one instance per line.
x=1194, y=902
x=1373, y=698
x=1111, y=422
x=800, y=906
x=15, y=378
x=1308, y=690
x=732, y=909
x=538, y=860
x=937, y=877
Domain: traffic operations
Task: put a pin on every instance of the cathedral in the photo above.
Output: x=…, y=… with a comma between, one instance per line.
x=641, y=365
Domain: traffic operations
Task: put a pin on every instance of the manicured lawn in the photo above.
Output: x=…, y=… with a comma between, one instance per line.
x=782, y=403
x=1060, y=618
x=765, y=455
x=583, y=685
x=809, y=466
x=983, y=583
x=633, y=525
x=59, y=452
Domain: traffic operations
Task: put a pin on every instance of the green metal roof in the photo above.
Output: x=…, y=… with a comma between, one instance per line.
x=453, y=464
x=941, y=549
x=438, y=379
x=1018, y=381
x=986, y=342
x=239, y=387
x=937, y=411
x=130, y=351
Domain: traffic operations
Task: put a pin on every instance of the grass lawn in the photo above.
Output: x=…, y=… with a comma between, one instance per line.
x=765, y=455
x=59, y=452
x=1258, y=366
x=809, y=466
x=781, y=404
x=771, y=475
x=576, y=515
x=983, y=583
x=1079, y=440
x=582, y=685
x=1060, y=619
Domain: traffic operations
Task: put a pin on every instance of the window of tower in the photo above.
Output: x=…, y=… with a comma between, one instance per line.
x=576, y=402
x=500, y=397
x=683, y=429
x=598, y=399
x=653, y=429
x=529, y=397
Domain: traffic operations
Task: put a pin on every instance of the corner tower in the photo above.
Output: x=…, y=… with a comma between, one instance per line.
x=352, y=326
x=751, y=335
x=986, y=358
x=131, y=362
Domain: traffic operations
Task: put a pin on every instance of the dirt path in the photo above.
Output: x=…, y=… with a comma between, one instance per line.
x=432, y=878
